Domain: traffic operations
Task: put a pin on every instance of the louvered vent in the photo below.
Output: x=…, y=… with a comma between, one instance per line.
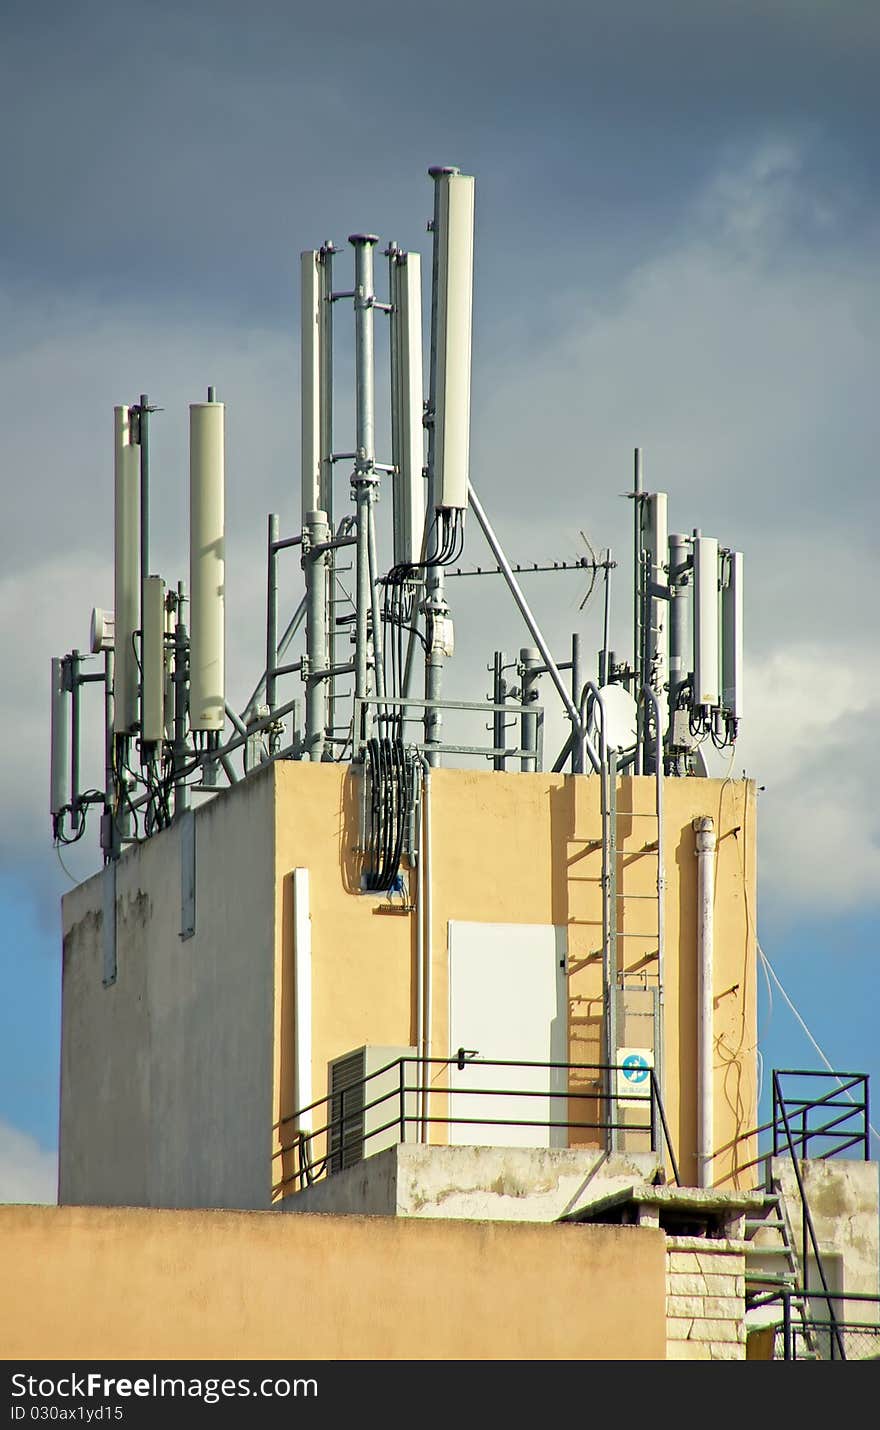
x=356, y=1080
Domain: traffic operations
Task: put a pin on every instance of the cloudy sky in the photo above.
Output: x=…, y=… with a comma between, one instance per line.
x=677, y=247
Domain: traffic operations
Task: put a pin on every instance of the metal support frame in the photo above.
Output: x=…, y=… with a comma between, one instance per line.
x=578, y=729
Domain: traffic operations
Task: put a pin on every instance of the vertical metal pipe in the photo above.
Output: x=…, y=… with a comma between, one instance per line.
x=144, y=442
x=678, y=622
x=613, y=1031
x=637, y=589
x=428, y=947
x=147, y=749
x=73, y=664
x=325, y=410
x=375, y=604
x=109, y=834
x=577, y=685
x=271, y=612
x=605, y=674
x=435, y=595
x=363, y=476
x=499, y=696
x=528, y=723
x=317, y=533
x=59, y=784
x=650, y=696
x=704, y=829
x=181, y=702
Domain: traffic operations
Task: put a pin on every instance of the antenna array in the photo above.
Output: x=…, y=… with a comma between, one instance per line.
x=169, y=729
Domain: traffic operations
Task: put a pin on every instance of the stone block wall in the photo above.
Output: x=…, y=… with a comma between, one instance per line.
x=705, y=1299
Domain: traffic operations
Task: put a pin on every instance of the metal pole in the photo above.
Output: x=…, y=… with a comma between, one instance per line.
x=363, y=478
x=678, y=623
x=637, y=588
x=375, y=606
x=317, y=532
x=147, y=750
x=612, y=960
x=271, y=612
x=533, y=628
x=605, y=673
x=528, y=723
x=499, y=695
x=181, y=691
x=577, y=685
x=109, y=833
x=435, y=605
x=704, y=830
x=325, y=409
x=73, y=664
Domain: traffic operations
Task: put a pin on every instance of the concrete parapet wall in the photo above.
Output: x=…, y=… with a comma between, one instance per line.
x=123, y=1283
x=537, y=1184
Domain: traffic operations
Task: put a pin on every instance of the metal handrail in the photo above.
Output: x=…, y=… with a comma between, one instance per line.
x=342, y=1125
x=785, y=1295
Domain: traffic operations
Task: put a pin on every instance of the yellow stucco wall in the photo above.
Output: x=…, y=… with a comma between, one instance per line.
x=118, y=1283
x=524, y=848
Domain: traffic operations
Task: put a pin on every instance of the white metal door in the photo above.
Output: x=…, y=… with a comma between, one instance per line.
x=508, y=1001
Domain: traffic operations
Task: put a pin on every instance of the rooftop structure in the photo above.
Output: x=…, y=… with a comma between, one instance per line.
x=367, y=949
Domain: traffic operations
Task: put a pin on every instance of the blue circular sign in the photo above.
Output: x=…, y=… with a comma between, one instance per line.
x=635, y=1068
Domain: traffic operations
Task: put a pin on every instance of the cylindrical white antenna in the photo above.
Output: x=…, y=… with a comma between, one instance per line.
x=59, y=769
x=310, y=379
x=127, y=599
x=655, y=542
x=705, y=621
x=732, y=636
x=153, y=648
x=207, y=687
x=407, y=403
x=455, y=281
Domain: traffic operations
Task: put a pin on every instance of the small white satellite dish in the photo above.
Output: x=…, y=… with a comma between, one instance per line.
x=621, y=715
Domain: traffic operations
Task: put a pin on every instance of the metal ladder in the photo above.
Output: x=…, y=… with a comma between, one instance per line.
x=773, y=1218
x=618, y=899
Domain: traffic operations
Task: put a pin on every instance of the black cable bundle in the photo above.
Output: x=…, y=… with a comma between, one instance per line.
x=447, y=544
x=388, y=813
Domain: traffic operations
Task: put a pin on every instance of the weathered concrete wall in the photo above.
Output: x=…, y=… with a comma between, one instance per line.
x=82, y=1283
x=166, y=1075
x=844, y=1201
x=705, y=1302
x=537, y=1184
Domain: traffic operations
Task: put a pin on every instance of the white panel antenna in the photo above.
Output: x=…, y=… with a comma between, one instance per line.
x=207, y=566
x=732, y=636
x=126, y=607
x=153, y=657
x=310, y=379
x=407, y=430
x=455, y=278
x=59, y=775
x=656, y=542
x=705, y=621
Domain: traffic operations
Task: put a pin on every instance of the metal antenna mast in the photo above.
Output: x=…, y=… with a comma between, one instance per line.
x=363, y=480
